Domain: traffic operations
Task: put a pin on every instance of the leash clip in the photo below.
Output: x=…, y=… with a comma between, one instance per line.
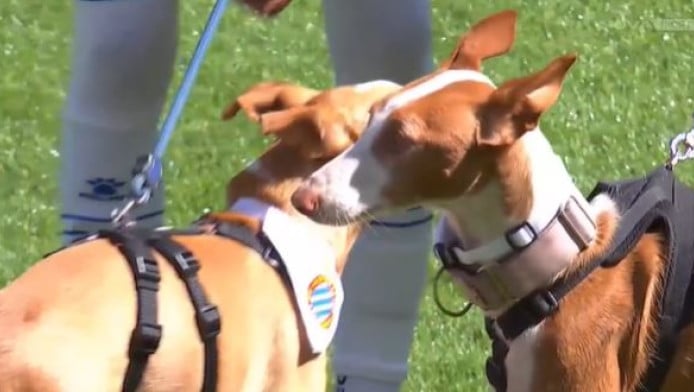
x=148, y=169
x=682, y=147
x=147, y=175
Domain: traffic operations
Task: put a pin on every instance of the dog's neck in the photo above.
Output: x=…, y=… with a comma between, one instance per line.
x=527, y=183
x=272, y=178
x=528, y=176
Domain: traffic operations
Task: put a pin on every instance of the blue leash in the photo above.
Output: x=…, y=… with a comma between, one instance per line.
x=148, y=169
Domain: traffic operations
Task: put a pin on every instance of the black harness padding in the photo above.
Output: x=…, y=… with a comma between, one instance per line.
x=146, y=335
x=206, y=314
x=658, y=203
x=258, y=242
x=494, y=366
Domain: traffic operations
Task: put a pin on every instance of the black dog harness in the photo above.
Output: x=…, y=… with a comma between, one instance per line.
x=137, y=246
x=658, y=203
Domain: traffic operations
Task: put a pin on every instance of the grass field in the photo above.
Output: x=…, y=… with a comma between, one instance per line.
x=631, y=90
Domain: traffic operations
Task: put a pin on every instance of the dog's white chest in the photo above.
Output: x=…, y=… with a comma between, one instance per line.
x=520, y=361
x=310, y=264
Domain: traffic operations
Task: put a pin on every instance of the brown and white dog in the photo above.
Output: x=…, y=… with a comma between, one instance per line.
x=65, y=323
x=454, y=142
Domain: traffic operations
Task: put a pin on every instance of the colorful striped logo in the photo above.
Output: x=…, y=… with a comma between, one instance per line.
x=321, y=297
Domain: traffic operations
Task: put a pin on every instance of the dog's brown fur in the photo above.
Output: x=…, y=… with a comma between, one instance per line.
x=65, y=323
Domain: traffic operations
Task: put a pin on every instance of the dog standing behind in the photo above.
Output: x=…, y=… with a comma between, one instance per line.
x=65, y=323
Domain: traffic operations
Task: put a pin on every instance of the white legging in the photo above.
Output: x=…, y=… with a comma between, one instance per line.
x=123, y=56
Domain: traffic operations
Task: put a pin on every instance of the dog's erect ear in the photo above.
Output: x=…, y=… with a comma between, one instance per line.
x=490, y=37
x=517, y=105
x=268, y=97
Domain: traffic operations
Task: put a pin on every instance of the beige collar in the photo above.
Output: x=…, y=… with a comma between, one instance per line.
x=499, y=273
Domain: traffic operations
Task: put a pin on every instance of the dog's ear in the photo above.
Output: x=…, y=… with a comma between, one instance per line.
x=517, y=105
x=289, y=123
x=317, y=132
x=268, y=97
x=490, y=37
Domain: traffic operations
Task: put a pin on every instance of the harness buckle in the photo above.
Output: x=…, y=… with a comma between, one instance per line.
x=188, y=263
x=148, y=276
x=145, y=339
x=541, y=304
x=521, y=236
x=496, y=373
x=209, y=322
x=268, y=252
x=450, y=260
x=440, y=253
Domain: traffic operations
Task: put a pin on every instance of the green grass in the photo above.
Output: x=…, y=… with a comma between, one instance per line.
x=631, y=90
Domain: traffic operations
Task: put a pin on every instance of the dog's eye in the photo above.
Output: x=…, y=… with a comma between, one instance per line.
x=401, y=142
x=393, y=141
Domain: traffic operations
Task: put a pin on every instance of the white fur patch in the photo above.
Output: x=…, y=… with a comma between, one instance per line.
x=519, y=363
x=366, y=86
x=432, y=85
x=603, y=203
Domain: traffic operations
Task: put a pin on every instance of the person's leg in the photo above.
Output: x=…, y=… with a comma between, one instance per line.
x=386, y=274
x=122, y=62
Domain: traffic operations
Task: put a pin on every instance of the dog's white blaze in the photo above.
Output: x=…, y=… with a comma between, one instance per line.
x=337, y=194
x=352, y=182
x=432, y=85
x=366, y=86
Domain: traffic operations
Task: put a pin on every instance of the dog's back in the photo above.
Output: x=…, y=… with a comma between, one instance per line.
x=71, y=332
x=38, y=346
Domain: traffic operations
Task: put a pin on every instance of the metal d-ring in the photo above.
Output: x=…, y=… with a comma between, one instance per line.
x=682, y=147
x=437, y=299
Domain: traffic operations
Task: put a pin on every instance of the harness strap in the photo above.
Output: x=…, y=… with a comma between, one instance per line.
x=256, y=241
x=146, y=335
x=534, y=308
x=494, y=367
x=677, y=293
x=206, y=314
x=134, y=244
x=648, y=211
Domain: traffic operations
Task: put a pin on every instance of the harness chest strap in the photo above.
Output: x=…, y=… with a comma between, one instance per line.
x=134, y=244
x=653, y=208
x=518, y=318
x=207, y=317
x=320, y=303
x=146, y=335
